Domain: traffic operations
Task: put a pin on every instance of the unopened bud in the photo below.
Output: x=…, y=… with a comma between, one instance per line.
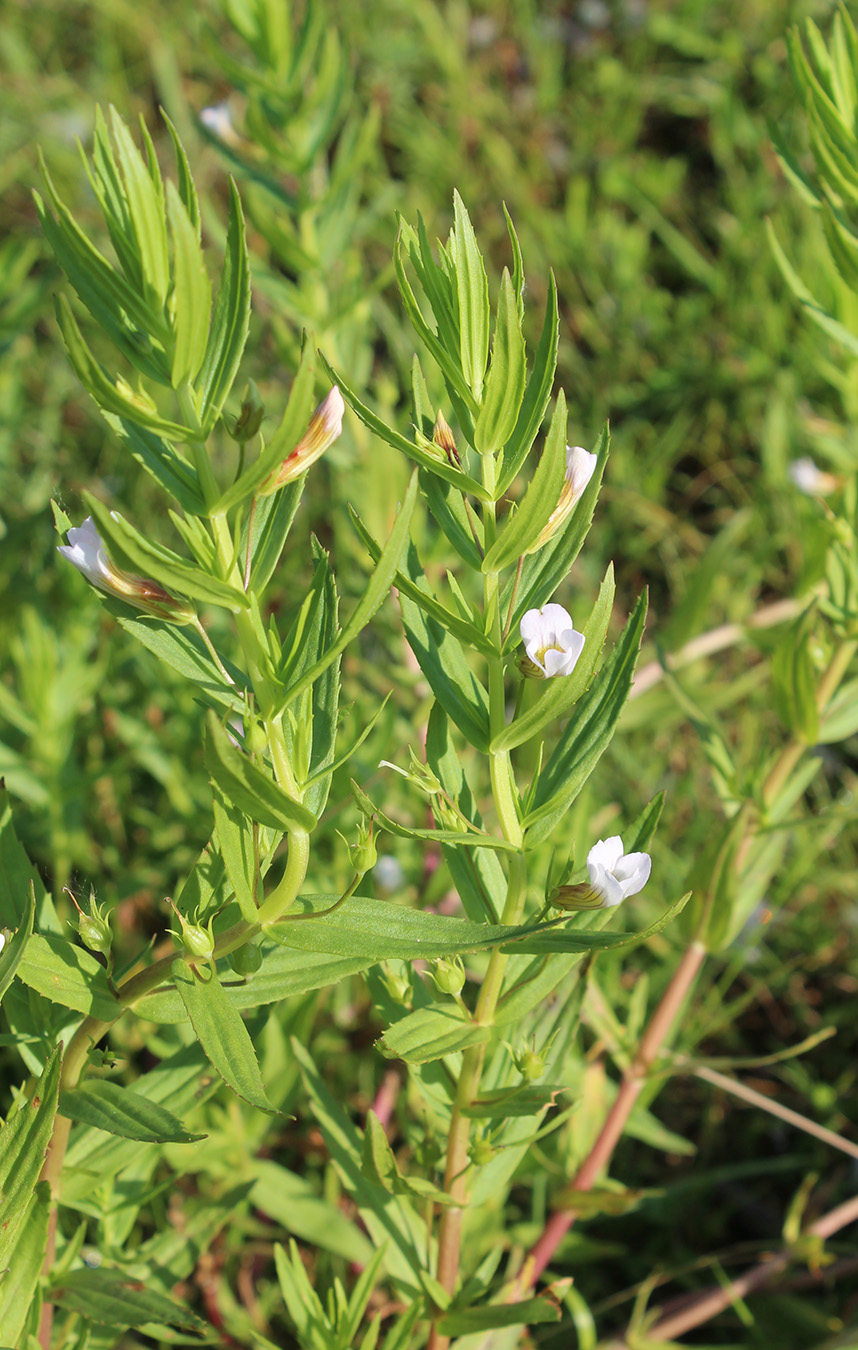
x=530, y=1065
x=398, y=986
x=324, y=427
x=363, y=854
x=93, y=928
x=246, y=960
x=250, y=417
x=581, y=896
x=443, y=437
x=449, y=975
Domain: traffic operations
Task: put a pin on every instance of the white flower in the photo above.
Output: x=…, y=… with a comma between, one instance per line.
x=580, y=467
x=615, y=875
x=550, y=640
x=218, y=121
x=2, y=941
x=323, y=429
x=809, y=478
x=85, y=550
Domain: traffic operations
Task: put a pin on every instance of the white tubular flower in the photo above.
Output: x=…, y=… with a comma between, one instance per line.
x=218, y=121
x=580, y=467
x=2, y=941
x=810, y=479
x=615, y=875
x=551, y=641
x=85, y=550
x=324, y=427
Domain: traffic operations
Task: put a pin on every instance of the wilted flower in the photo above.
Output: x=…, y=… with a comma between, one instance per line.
x=86, y=551
x=580, y=467
x=551, y=641
x=443, y=437
x=324, y=428
x=810, y=479
x=615, y=875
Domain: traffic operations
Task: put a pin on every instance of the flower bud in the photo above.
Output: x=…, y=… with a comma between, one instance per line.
x=449, y=975
x=93, y=928
x=86, y=551
x=443, y=437
x=325, y=426
x=250, y=417
x=398, y=985
x=246, y=960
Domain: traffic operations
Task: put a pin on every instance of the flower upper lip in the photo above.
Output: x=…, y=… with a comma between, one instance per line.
x=616, y=875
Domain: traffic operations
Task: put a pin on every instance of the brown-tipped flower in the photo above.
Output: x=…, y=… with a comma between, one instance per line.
x=580, y=467
x=324, y=428
x=444, y=438
x=85, y=550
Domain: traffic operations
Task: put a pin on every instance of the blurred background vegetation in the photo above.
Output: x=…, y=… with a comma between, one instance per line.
x=630, y=143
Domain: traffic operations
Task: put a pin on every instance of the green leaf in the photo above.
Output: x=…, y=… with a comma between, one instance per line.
x=182, y=650
x=379, y=1165
x=473, y=292
x=145, y=210
x=248, y=787
x=505, y=383
x=160, y=459
x=449, y=509
x=580, y=939
x=443, y=662
x=191, y=300
x=108, y=1106
x=221, y=1033
x=24, y=1264
x=518, y=263
x=436, y=464
x=464, y=837
x=109, y=396
x=14, y=947
x=449, y=365
x=492, y=1317
x=113, y=1299
x=230, y=322
x=235, y=841
x=527, y=1099
x=428, y=1034
x=69, y=976
x=131, y=549
x=293, y=425
x=557, y=695
x=295, y=1204
x=390, y=1220
x=587, y=734
x=536, y=396
x=544, y=570
x=526, y=523
x=376, y=591
x=187, y=191
x=24, y=1142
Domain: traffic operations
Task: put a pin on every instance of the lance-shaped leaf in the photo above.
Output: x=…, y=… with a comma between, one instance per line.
x=505, y=383
x=493, y=1316
x=221, y=1032
x=144, y=196
x=431, y=1033
x=14, y=946
x=116, y=1109
x=544, y=570
x=235, y=840
x=110, y=397
x=449, y=364
x=24, y=1266
x=587, y=735
x=162, y=460
x=473, y=292
x=380, y=1166
x=191, y=300
x=183, y=651
x=230, y=322
x=443, y=662
x=67, y=975
x=413, y=583
x=536, y=396
x=130, y=549
x=24, y=1142
x=474, y=838
x=376, y=591
x=248, y=787
x=451, y=511
x=437, y=464
x=113, y=1299
x=557, y=695
x=526, y=523
x=292, y=427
